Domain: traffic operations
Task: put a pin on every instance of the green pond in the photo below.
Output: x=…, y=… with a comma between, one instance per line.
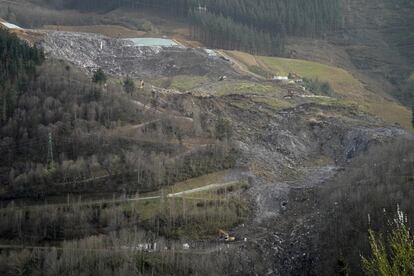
x=147, y=41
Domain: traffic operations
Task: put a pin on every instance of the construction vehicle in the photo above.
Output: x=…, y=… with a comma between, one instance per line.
x=226, y=236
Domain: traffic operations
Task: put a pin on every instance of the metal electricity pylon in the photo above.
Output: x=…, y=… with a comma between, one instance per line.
x=50, y=151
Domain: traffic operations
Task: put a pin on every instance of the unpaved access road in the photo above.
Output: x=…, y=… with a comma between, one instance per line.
x=134, y=199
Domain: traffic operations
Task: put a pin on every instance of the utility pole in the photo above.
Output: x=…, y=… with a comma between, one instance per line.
x=50, y=151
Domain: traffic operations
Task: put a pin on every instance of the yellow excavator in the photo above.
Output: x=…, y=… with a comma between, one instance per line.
x=226, y=236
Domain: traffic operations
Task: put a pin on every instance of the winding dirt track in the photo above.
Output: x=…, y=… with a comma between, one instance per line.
x=135, y=199
x=204, y=188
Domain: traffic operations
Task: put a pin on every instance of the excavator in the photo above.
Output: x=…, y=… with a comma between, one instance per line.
x=226, y=236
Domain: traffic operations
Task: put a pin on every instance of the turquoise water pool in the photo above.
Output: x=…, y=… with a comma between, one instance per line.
x=146, y=41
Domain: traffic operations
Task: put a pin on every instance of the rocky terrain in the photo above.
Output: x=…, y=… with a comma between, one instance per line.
x=280, y=149
x=289, y=155
x=123, y=57
x=287, y=152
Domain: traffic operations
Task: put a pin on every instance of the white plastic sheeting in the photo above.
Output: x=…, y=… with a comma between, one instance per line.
x=11, y=26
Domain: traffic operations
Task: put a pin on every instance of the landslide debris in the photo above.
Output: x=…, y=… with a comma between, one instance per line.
x=123, y=57
x=280, y=148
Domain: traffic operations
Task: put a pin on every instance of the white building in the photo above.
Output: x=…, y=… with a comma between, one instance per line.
x=280, y=78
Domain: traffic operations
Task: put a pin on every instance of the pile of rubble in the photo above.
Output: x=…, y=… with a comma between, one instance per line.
x=124, y=57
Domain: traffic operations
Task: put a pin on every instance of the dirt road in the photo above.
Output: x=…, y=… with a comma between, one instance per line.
x=135, y=199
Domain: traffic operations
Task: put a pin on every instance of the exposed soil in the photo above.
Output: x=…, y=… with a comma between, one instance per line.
x=123, y=57
x=279, y=148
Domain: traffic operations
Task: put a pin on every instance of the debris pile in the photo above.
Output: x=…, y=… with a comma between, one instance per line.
x=122, y=56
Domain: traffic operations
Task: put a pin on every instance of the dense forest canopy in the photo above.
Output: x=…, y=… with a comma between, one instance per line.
x=17, y=67
x=364, y=196
x=257, y=26
x=400, y=33
x=291, y=17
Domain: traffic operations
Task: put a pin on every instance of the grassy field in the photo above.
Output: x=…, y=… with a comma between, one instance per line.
x=350, y=89
x=181, y=83
x=246, y=59
x=196, y=215
x=212, y=178
x=274, y=103
x=245, y=87
x=342, y=82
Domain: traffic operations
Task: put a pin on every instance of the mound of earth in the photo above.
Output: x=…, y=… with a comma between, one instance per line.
x=123, y=57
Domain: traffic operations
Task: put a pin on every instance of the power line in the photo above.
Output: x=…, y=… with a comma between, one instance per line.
x=50, y=150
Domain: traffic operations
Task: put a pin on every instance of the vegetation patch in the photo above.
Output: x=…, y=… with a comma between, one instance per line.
x=318, y=87
x=196, y=218
x=365, y=196
x=244, y=87
x=391, y=112
x=181, y=83
x=274, y=103
x=340, y=80
x=320, y=161
x=334, y=102
x=186, y=83
x=343, y=84
x=130, y=252
x=260, y=71
x=212, y=178
x=243, y=104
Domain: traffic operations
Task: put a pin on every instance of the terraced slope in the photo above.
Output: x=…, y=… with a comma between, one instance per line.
x=343, y=82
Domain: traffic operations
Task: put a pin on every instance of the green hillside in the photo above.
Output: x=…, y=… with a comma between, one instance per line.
x=343, y=82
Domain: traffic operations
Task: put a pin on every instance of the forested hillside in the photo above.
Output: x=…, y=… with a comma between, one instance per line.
x=250, y=25
x=123, y=159
x=72, y=134
x=399, y=31
x=399, y=34
x=366, y=195
x=17, y=68
x=88, y=126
